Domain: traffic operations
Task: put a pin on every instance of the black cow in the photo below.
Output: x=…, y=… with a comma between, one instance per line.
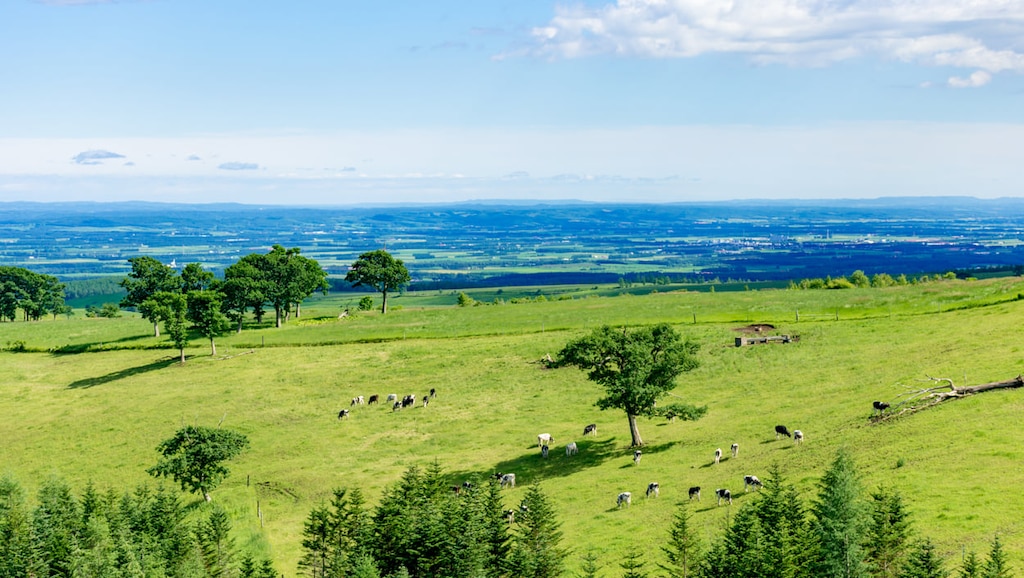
x=433, y=392
x=780, y=430
x=694, y=491
x=373, y=399
x=880, y=406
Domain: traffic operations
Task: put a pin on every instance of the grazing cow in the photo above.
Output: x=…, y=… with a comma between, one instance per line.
x=509, y=515
x=735, y=450
x=409, y=400
x=694, y=491
x=751, y=481
x=571, y=449
x=780, y=430
x=636, y=457
x=718, y=455
x=433, y=392
x=590, y=429
x=880, y=406
x=798, y=436
x=544, y=439
x=355, y=401
x=342, y=413
x=723, y=494
x=624, y=498
x=544, y=451
x=426, y=400
x=497, y=475
x=392, y=397
x=508, y=480
x=397, y=406
x=467, y=485
x=652, y=488
x=373, y=399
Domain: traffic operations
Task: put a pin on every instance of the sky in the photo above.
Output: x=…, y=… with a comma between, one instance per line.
x=342, y=102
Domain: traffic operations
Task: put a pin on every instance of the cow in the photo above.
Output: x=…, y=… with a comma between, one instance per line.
x=571, y=449
x=433, y=392
x=718, y=455
x=652, y=488
x=397, y=406
x=780, y=430
x=636, y=457
x=544, y=439
x=392, y=397
x=409, y=400
x=590, y=429
x=751, y=481
x=798, y=436
x=508, y=480
x=342, y=413
x=373, y=399
x=356, y=401
x=723, y=494
x=467, y=485
x=880, y=406
x=509, y=515
x=694, y=491
x=735, y=450
x=544, y=451
x=624, y=498
x=426, y=400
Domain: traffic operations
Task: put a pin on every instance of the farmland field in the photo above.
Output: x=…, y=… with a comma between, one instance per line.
x=98, y=415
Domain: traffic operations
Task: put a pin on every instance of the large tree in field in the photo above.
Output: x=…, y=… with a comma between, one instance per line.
x=244, y=287
x=171, y=308
x=290, y=278
x=148, y=277
x=635, y=368
x=378, y=269
x=204, y=311
x=194, y=457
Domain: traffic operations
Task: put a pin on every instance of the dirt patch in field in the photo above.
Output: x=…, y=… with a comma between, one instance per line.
x=756, y=328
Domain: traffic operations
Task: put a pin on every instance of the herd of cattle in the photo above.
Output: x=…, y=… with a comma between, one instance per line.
x=545, y=440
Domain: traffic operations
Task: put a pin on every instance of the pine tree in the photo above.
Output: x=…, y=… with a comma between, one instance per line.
x=839, y=522
x=215, y=542
x=784, y=527
x=536, y=552
x=633, y=565
x=496, y=531
x=589, y=566
x=996, y=565
x=56, y=527
x=364, y=567
x=923, y=562
x=888, y=534
x=16, y=558
x=971, y=567
x=683, y=547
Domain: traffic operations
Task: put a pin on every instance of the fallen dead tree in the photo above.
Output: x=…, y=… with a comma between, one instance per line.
x=923, y=398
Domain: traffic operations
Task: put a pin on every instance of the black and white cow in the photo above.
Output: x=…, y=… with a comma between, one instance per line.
x=751, y=481
x=624, y=498
x=718, y=455
x=433, y=392
x=694, y=491
x=357, y=400
x=397, y=406
x=590, y=429
x=780, y=430
x=653, y=488
x=508, y=480
x=798, y=436
x=880, y=406
x=342, y=413
x=636, y=457
x=723, y=494
x=544, y=451
x=409, y=400
x=735, y=450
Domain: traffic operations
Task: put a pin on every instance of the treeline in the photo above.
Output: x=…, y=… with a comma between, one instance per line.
x=860, y=279
x=143, y=533
x=34, y=293
x=841, y=534
x=423, y=527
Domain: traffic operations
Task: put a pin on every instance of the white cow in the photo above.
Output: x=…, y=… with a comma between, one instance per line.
x=624, y=498
x=798, y=436
x=508, y=480
x=571, y=449
x=544, y=439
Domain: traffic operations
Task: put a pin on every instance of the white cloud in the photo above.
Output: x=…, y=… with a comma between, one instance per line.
x=979, y=78
x=94, y=157
x=235, y=166
x=982, y=34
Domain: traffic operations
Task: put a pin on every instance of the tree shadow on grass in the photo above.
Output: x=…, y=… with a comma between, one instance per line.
x=112, y=344
x=123, y=373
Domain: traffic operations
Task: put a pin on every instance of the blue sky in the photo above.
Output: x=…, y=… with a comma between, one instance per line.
x=343, y=102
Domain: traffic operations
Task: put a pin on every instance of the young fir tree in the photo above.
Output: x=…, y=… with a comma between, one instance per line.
x=589, y=568
x=839, y=517
x=633, y=565
x=496, y=531
x=923, y=562
x=16, y=551
x=784, y=526
x=536, y=550
x=888, y=534
x=682, y=548
x=996, y=565
x=971, y=567
x=56, y=527
x=215, y=543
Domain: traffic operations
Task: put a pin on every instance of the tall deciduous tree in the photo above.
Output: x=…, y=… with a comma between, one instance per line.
x=379, y=270
x=289, y=278
x=194, y=457
x=244, y=287
x=147, y=278
x=171, y=308
x=635, y=367
x=195, y=278
x=204, y=311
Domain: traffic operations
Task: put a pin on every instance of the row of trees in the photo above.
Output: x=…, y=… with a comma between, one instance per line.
x=34, y=293
x=144, y=533
x=860, y=279
x=423, y=528
x=843, y=534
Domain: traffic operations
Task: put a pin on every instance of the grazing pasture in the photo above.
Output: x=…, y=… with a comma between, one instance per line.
x=98, y=416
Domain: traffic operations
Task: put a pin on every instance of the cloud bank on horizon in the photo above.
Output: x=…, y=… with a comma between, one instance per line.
x=652, y=100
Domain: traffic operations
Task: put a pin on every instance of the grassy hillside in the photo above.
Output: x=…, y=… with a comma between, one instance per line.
x=99, y=415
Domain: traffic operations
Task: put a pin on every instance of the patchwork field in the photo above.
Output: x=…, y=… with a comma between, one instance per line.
x=98, y=415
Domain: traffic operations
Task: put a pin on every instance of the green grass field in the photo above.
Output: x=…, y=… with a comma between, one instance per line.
x=99, y=415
